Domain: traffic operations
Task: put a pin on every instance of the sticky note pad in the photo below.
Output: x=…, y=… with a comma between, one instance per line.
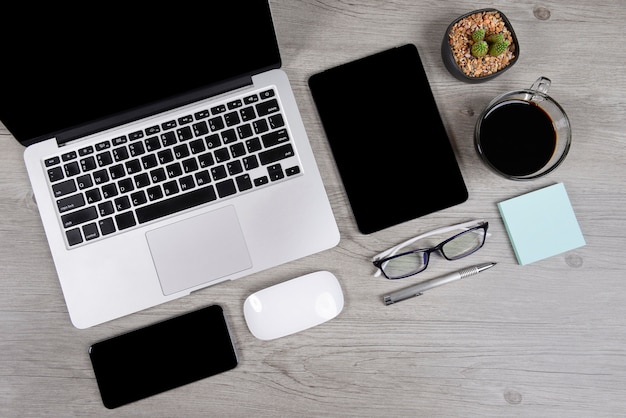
x=541, y=224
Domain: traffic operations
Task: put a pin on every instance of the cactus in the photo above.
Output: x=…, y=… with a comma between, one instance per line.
x=495, y=38
x=478, y=35
x=494, y=44
x=479, y=49
x=498, y=48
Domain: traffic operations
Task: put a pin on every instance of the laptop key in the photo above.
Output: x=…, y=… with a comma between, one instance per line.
x=274, y=138
x=101, y=176
x=200, y=128
x=196, y=146
x=185, y=119
x=168, y=138
x=74, y=236
x=88, y=164
x=138, y=198
x=107, y=226
x=79, y=217
x=153, y=143
x=235, y=104
x=292, y=171
x=244, y=182
x=133, y=166
x=267, y=107
x=250, y=162
x=276, y=121
x=275, y=172
x=152, y=130
x=84, y=182
x=251, y=99
x=91, y=231
x=55, y=174
x=202, y=178
x=52, y=161
x=117, y=171
x=68, y=156
x=231, y=119
x=275, y=154
x=213, y=141
x=187, y=183
x=169, y=125
x=136, y=149
x=226, y=188
x=125, y=220
x=70, y=202
x=135, y=135
x=106, y=208
x=184, y=133
x=154, y=193
x=104, y=158
x=170, y=188
x=93, y=196
x=120, y=153
x=63, y=188
x=122, y=203
x=267, y=94
x=261, y=181
x=216, y=123
x=72, y=169
x=218, y=109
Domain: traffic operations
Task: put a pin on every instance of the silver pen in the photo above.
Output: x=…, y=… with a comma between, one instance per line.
x=419, y=288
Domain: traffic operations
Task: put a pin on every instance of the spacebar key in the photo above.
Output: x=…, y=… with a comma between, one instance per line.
x=175, y=204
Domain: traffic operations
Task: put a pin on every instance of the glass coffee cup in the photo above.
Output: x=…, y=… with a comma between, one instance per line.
x=523, y=134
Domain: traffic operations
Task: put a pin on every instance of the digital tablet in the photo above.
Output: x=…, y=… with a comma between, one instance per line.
x=387, y=138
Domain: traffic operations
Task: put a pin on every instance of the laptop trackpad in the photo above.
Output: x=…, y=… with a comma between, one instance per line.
x=198, y=250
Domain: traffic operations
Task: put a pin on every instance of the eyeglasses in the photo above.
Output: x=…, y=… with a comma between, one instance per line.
x=398, y=266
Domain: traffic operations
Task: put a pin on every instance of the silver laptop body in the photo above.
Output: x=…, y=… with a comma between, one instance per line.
x=166, y=257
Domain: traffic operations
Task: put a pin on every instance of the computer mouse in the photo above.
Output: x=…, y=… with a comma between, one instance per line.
x=294, y=305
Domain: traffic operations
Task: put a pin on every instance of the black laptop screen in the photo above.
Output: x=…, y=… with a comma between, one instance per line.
x=65, y=67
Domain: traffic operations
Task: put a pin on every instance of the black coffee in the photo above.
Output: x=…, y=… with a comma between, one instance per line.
x=517, y=138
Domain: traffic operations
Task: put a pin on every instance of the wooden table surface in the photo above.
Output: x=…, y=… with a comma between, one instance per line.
x=545, y=339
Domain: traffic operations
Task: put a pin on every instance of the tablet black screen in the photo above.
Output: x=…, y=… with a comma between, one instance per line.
x=387, y=137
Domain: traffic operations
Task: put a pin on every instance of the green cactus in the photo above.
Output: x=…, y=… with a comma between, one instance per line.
x=478, y=35
x=498, y=48
x=479, y=49
x=495, y=38
x=494, y=44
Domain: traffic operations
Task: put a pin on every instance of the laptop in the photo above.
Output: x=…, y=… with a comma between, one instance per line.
x=164, y=147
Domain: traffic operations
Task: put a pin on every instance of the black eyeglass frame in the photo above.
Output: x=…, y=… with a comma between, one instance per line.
x=427, y=251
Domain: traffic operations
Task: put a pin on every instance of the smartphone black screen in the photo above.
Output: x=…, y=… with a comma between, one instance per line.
x=387, y=137
x=163, y=356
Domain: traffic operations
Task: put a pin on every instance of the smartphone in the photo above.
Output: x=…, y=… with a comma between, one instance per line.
x=163, y=356
x=387, y=137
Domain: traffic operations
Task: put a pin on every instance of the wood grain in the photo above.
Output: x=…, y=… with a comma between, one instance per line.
x=547, y=339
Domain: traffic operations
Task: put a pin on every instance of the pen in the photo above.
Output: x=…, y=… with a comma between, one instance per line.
x=417, y=289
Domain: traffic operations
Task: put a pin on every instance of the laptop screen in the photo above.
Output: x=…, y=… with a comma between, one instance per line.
x=67, y=66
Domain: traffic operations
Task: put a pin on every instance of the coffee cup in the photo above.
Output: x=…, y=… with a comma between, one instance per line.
x=523, y=134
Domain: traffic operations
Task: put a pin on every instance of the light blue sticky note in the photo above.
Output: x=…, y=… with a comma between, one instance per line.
x=541, y=224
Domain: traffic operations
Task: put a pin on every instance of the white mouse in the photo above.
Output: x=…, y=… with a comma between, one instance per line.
x=294, y=305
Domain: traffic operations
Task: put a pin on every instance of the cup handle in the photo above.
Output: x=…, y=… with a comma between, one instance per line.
x=541, y=85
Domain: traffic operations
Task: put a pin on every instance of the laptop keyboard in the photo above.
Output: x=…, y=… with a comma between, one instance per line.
x=213, y=154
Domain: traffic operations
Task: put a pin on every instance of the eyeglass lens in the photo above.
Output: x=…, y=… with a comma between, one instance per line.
x=463, y=244
x=406, y=264
x=413, y=262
